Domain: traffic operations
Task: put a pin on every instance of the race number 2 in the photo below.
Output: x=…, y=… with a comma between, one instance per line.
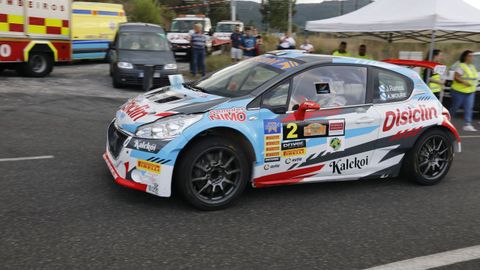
x=5, y=50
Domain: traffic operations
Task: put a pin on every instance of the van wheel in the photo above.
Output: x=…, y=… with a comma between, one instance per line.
x=38, y=65
x=213, y=173
x=429, y=161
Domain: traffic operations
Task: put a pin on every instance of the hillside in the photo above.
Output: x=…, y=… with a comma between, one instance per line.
x=249, y=12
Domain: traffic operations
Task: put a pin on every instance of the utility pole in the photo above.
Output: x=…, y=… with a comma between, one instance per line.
x=341, y=7
x=290, y=16
x=233, y=10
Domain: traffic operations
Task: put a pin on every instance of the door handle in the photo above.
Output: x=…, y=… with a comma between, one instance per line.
x=365, y=120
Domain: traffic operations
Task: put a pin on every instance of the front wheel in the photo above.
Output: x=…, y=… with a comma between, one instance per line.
x=38, y=65
x=430, y=159
x=213, y=173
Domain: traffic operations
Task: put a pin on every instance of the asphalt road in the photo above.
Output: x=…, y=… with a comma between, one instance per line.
x=67, y=213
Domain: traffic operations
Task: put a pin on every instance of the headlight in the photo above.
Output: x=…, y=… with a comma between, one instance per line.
x=124, y=65
x=168, y=128
x=170, y=66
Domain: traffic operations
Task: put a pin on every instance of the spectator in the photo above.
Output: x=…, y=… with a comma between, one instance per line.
x=342, y=50
x=362, y=52
x=463, y=89
x=248, y=44
x=259, y=41
x=236, y=51
x=287, y=42
x=307, y=46
x=435, y=81
x=199, y=43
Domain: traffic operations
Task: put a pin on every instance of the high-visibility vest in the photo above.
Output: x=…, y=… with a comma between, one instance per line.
x=470, y=75
x=337, y=53
x=435, y=87
x=366, y=57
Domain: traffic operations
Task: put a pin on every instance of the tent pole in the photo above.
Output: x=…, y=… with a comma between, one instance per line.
x=432, y=46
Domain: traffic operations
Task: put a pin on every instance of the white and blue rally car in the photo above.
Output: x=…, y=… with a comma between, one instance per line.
x=285, y=117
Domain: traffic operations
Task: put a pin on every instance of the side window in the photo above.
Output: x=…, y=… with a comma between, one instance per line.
x=276, y=97
x=390, y=87
x=330, y=86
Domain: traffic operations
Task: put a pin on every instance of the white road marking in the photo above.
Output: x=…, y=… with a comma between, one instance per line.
x=25, y=158
x=470, y=136
x=434, y=260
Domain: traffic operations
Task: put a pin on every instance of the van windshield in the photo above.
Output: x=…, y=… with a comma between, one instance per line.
x=225, y=28
x=183, y=26
x=143, y=41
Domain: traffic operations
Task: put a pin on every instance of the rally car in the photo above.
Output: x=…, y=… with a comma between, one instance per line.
x=285, y=117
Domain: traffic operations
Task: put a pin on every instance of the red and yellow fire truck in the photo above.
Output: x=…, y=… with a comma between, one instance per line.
x=34, y=34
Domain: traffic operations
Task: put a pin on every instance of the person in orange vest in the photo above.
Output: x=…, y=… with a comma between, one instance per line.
x=464, y=87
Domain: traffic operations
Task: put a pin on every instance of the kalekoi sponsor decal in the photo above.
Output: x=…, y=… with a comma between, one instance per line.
x=341, y=165
x=230, y=114
x=398, y=118
x=146, y=146
x=135, y=111
x=148, y=166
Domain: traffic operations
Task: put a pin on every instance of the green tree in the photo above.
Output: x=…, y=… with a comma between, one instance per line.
x=275, y=13
x=148, y=11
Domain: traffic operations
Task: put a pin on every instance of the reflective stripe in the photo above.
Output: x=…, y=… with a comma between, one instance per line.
x=469, y=74
x=435, y=87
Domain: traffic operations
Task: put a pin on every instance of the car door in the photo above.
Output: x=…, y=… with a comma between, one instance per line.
x=328, y=128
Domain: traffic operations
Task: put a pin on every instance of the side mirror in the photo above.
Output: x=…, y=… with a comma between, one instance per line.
x=304, y=107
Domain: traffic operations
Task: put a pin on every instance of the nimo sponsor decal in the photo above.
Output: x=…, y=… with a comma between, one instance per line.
x=230, y=114
x=148, y=166
x=134, y=110
x=399, y=118
x=340, y=165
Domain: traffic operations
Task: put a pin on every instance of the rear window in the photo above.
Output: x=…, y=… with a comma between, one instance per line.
x=390, y=87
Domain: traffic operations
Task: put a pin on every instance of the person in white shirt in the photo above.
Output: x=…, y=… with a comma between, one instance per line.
x=286, y=42
x=307, y=46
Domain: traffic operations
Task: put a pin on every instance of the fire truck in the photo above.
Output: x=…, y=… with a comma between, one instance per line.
x=34, y=34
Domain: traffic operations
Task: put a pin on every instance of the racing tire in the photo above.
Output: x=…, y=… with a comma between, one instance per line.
x=429, y=161
x=38, y=65
x=213, y=173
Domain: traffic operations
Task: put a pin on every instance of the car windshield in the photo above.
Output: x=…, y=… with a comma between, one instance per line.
x=183, y=26
x=143, y=41
x=225, y=28
x=239, y=79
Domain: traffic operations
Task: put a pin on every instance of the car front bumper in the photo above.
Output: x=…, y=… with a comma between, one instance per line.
x=137, y=75
x=135, y=168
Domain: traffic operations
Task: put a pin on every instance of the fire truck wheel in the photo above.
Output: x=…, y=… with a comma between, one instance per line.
x=38, y=65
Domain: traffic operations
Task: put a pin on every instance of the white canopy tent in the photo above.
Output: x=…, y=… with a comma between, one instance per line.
x=426, y=21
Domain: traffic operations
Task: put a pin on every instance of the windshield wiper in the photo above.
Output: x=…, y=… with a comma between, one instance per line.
x=195, y=88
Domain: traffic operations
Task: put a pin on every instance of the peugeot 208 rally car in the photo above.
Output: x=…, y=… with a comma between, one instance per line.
x=281, y=118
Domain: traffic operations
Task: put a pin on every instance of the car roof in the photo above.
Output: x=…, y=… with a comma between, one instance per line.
x=144, y=27
x=322, y=59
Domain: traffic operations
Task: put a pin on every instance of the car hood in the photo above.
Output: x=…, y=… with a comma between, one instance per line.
x=146, y=57
x=163, y=102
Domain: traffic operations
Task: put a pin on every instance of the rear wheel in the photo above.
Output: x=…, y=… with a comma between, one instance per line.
x=430, y=159
x=38, y=65
x=213, y=173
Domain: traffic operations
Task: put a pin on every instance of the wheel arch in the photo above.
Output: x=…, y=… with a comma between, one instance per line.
x=40, y=46
x=453, y=134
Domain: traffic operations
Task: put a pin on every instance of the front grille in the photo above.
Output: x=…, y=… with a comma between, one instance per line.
x=155, y=67
x=115, y=140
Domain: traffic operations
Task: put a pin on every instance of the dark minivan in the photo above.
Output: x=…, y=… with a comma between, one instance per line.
x=141, y=55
